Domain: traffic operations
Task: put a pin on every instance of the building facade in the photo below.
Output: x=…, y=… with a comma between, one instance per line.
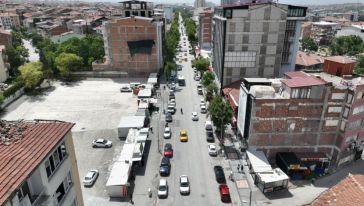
x=324, y=32
x=339, y=65
x=305, y=113
x=8, y=20
x=309, y=62
x=205, y=29
x=168, y=13
x=5, y=37
x=39, y=164
x=134, y=45
x=200, y=3
x=255, y=40
x=4, y=66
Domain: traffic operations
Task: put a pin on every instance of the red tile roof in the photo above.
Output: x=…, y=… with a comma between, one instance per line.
x=303, y=82
x=31, y=143
x=308, y=59
x=349, y=191
x=232, y=91
x=340, y=59
x=292, y=75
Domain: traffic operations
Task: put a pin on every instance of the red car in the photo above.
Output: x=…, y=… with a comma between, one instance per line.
x=168, y=150
x=224, y=193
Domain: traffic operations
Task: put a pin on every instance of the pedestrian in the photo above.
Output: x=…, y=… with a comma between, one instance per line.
x=181, y=111
x=238, y=168
x=131, y=198
x=151, y=130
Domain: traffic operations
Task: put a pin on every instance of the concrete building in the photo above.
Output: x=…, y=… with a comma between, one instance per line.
x=324, y=32
x=305, y=113
x=8, y=20
x=4, y=66
x=39, y=166
x=5, y=37
x=255, y=40
x=205, y=29
x=133, y=45
x=306, y=29
x=168, y=13
x=137, y=8
x=200, y=3
x=309, y=62
x=238, y=2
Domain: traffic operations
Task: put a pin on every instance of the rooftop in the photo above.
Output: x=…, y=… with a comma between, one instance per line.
x=23, y=146
x=349, y=191
x=308, y=59
x=325, y=23
x=301, y=81
x=340, y=59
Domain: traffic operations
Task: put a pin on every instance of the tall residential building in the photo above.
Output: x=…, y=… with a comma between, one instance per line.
x=238, y=2
x=134, y=42
x=304, y=113
x=8, y=20
x=38, y=164
x=205, y=29
x=200, y=3
x=4, y=66
x=168, y=13
x=255, y=40
x=324, y=32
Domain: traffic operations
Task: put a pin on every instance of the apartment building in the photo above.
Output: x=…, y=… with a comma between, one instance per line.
x=200, y=3
x=4, y=66
x=8, y=20
x=309, y=62
x=205, y=29
x=238, y=2
x=304, y=113
x=324, y=32
x=5, y=37
x=39, y=166
x=255, y=40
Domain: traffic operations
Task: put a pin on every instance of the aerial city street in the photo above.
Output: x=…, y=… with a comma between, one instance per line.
x=231, y=102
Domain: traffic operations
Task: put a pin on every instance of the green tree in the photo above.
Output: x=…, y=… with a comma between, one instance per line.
x=359, y=67
x=201, y=64
x=207, y=78
x=31, y=74
x=211, y=90
x=170, y=66
x=16, y=38
x=66, y=63
x=347, y=45
x=220, y=112
x=309, y=44
x=15, y=58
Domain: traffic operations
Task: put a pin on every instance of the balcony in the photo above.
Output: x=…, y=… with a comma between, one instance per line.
x=41, y=199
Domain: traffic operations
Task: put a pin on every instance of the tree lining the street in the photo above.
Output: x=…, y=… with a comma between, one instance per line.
x=31, y=74
x=170, y=66
x=350, y=45
x=67, y=63
x=201, y=64
x=220, y=112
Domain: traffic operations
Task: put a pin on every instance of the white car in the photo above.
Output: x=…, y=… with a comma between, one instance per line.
x=101, y=143
x=125, y=89
x=90, y=177
x=184, y=185
x=203, y=109
x=163, y=188
x=194, y=116
x=202, y=103
x=212, y=150
x=167, y=133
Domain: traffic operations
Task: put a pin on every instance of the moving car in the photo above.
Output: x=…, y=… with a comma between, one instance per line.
x=210, y=136
x=163, y=188
x=224, y=193
x=101, y=143
x=169, y=117
x=125, y=89
x=90, y=178
x=219, y=174
x=165, y=167
x=212, y=150
x=167, y=133
x=194, y=116
x=184, y=185
x=168, y=150
x=183, y=137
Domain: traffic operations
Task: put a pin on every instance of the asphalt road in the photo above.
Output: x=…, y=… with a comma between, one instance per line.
x=191, y=158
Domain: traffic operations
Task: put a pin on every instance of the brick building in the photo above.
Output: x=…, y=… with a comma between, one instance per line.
x=5, y=37
x=339, y=65
x=305, y=113
x=133, y=45
x=309, y=62
x=205, y=29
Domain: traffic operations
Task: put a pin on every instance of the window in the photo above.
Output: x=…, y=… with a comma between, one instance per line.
x=355, y=124
x=55, y=160
x=342, y=126
x=23, y=191
x=338, y=96
x=228, y=13
x=346, y=112
x=334, y=109
x=349, y=98
x=63, y=188
x=331, y=123
x=358, y=109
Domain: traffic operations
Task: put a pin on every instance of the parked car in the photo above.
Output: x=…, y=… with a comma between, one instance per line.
x=163, y=188
x=184, y=185
x=199, y=91
x=125, y=89
x=224, y=193
x=165, y=167
x=90, y=178
x=203, y=109
x=183, y=137
x=219, y=174
x=3, y=86
x=169, y=117
x=168, y=150
x=210, y=136
x=212, y=150
x=194, y=116
x=202, y=102
x=101, y=143
x=197, y=77
x=167, y=133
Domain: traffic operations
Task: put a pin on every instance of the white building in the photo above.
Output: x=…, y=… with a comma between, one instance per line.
x=4, y=72
x=8, y=20
x=38, y=164
x=168, y=13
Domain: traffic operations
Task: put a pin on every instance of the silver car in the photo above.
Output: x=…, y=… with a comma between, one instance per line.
x=184, y=185
x=101, y=143
x=90, y=178
x=167, y=133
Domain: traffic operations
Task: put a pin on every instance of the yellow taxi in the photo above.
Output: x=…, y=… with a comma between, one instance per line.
x=183, y=137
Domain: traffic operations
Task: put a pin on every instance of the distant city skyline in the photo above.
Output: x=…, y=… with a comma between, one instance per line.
x=297, y=2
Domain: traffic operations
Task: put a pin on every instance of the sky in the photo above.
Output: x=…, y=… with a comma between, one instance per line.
x=296, y=2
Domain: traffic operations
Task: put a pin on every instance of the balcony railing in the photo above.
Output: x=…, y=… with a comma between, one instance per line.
x=40, y=199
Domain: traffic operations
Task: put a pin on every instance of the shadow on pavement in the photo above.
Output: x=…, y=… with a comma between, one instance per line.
x=140, y=170
x=279, y=194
